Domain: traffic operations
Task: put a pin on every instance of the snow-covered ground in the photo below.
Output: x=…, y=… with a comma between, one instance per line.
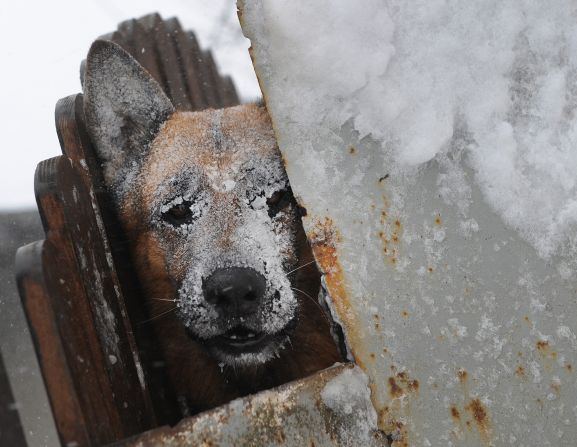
x=42, y=46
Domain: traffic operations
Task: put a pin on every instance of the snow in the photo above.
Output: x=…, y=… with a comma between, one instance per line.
x=349, y=396
x=493, y=83
x=189, y=162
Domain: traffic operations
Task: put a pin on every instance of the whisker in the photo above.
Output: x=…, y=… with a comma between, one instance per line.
x=163, y=299
x=308, y=263
x=162, y=314
x=323, y=313
x=300, y=267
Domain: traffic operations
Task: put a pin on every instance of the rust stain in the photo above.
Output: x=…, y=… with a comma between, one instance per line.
x=455, y=414
x=372, y=355
x=548, y=354
x=405, y=314
x=568, y=367
x=395, y=431
x=411, y=385
x=481, y=418
x=462, y=375
x=390, y=235
x=324, y=239
x=520, y=371
x=556, y=387
x=395, y=391
x=352, y=150
x=438, y=220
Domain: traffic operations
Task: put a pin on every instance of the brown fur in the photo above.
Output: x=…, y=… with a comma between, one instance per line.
x=223, y=165
x=194, y=374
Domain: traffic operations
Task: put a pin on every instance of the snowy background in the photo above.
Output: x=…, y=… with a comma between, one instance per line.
x=42, y=46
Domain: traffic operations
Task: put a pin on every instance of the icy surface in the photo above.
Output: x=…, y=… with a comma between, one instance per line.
x=495, y=81
x=431, y=144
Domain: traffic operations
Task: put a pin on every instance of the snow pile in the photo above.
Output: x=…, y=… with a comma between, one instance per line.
x=349, y=396
x=493, y=79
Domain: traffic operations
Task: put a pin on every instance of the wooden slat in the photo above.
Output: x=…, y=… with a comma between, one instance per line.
x=60, y=318
x=88, y=234
x=229, y=94
x=146, y=27
x=187, y=53
x=205, y=68
x=159, y=401
x=170, y=66
x=172, y=56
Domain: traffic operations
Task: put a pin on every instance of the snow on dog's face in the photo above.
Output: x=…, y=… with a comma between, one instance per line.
x=218, y=200
x=206, y=201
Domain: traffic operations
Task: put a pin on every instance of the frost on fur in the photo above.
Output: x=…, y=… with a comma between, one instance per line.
x=124, y=108
x=201, y=183
x=220, y=169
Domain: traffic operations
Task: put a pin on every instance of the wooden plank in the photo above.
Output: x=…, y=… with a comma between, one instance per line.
x=187, y=52
x=87, y=231
x=202, y=72
x=61, y=324
x=146, y=27
x=10, y=427
x=171, y=66
x=212, y=79
x=229, y=94
x=157, y=399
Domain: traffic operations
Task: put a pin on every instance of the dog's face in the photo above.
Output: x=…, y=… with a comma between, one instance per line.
x=209, y=194
x=218, y=201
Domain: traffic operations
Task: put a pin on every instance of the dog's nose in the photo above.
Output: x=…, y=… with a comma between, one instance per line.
x=235, y=291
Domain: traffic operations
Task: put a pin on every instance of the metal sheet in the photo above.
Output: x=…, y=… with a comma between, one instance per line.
x=331, y=408
x=467, y=335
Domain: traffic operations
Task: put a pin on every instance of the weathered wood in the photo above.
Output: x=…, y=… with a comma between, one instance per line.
x=10, y=428
x=82, y=310
x=90, y=240
x=141, y=339
x=188, y=51
x=52, y=356
x=171, y=66
x=75, y=307
x=172, y=56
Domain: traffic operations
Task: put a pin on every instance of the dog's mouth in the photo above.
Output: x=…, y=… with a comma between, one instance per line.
x=250, y=345
x=241, y=338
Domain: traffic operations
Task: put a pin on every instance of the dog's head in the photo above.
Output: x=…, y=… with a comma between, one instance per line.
x=209, y=193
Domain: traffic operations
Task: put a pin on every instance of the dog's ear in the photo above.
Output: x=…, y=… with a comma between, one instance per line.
x=124, y=107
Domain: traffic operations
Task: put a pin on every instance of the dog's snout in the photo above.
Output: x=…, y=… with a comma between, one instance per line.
x=235, y=291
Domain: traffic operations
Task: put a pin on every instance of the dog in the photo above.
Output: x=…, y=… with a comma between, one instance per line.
x=215, y=235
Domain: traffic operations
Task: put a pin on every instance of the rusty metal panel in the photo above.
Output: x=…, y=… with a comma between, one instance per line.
x=331, y=408
x=467, y=334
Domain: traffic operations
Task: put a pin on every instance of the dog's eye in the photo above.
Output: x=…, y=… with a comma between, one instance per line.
x=278, y=201
x=178, y=214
